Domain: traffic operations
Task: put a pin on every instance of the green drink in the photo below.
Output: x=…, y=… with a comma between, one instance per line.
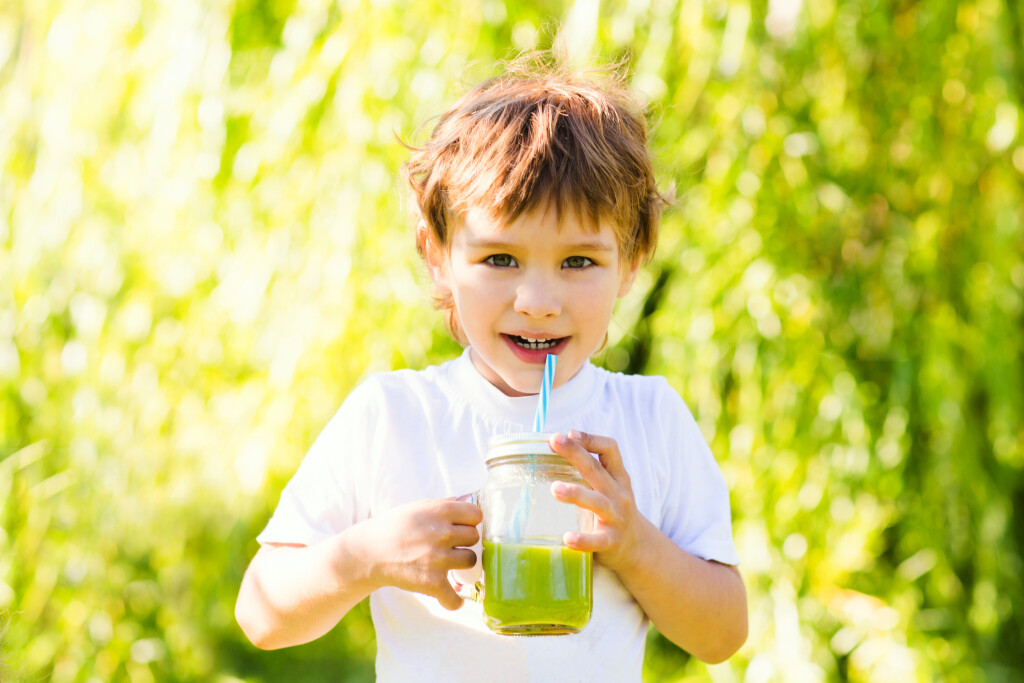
x=536, y=589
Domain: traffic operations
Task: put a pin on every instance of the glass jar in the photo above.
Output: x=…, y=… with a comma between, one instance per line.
x=533, y=583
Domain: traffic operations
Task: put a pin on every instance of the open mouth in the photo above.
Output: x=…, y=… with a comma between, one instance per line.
x=535, y=344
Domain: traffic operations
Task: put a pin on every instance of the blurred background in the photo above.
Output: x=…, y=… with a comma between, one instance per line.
x=204, y=247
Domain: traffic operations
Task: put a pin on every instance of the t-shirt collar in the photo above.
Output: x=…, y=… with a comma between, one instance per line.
x=568, y=399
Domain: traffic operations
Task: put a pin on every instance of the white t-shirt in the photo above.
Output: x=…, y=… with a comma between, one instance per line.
x=409, y=435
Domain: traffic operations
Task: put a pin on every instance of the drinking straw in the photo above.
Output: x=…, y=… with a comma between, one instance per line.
x=522, y=510
x=541, y=416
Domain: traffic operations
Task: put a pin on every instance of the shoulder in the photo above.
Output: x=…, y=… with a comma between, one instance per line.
x=397, y=389
x=643, y=389
x=652, y=404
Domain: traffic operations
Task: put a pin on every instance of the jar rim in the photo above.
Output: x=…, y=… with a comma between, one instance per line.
x=519, y=443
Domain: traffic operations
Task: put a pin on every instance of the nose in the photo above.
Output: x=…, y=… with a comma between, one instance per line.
x=538, y=297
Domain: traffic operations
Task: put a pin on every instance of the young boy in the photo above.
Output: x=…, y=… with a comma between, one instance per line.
x=536, y=206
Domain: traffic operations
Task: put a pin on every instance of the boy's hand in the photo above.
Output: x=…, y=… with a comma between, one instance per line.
x=419, y=542
x=618, y=523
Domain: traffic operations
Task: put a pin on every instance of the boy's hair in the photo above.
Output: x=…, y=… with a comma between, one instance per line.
x=538, y=135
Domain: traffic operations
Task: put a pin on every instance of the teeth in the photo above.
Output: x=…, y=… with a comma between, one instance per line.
x=535, y=344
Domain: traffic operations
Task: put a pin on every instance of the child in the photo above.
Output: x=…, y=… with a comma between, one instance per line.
x=536, y=206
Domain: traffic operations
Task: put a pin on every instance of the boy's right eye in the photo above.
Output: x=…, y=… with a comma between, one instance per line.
x=500, y=260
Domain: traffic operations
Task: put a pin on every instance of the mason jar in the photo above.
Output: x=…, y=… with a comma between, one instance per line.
x=533, y=584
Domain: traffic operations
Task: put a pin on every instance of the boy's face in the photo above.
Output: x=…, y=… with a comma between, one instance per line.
x=531, y=279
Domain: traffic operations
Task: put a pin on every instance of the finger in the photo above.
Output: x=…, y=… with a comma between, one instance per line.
x=583, y=497
x=454, y=536
x=462, y=512
x=463, y=535
x=590, y=469
x=587, y=543
x=607, y=450
x=447, y=596
x=461, y=558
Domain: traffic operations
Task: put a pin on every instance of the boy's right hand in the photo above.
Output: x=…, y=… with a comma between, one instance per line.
x=419, y=542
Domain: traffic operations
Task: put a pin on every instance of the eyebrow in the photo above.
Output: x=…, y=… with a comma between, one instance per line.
x=498, y=244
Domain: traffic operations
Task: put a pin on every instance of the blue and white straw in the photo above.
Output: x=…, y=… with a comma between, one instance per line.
x=522, y=511
x=541, y=416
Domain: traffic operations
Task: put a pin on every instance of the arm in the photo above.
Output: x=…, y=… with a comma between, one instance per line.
x=292, y=594
x=699, y=605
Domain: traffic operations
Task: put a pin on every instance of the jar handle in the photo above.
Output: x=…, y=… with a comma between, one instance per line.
x=469, y=583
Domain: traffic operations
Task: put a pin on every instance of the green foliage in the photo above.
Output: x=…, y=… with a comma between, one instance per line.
x=203, y=248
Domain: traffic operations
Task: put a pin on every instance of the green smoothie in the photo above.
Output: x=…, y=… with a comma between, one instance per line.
x=536, y=589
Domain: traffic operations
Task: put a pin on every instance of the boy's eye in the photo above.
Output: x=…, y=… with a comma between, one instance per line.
x=500, y=260
x=578, y=262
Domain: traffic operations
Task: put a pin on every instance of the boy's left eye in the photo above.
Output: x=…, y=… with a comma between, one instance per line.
x=577, y=262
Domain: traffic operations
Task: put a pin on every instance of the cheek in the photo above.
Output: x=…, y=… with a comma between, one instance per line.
x=477, y=302
x=597, y=298
x=481, y=291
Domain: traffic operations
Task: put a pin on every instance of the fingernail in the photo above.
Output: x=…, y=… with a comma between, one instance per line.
x=559, y=488
x=560, y=439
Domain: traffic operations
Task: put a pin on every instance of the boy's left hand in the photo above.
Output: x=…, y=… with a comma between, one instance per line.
x=615, y=540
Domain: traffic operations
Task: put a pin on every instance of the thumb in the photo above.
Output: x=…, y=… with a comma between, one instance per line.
x=448, y=598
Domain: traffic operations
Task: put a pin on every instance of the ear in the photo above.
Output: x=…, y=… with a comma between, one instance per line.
x=628, y=277
x=436, y=258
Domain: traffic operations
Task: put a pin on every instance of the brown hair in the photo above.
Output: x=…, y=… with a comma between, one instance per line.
x=539, y=133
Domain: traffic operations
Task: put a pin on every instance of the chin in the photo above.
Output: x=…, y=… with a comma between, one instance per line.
x=521, y=381
x=526, y=388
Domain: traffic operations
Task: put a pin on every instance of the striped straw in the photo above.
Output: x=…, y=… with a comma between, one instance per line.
x=521, y=512
x=540, y=418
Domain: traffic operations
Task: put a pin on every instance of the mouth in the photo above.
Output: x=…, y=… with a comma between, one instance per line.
x=531, y=344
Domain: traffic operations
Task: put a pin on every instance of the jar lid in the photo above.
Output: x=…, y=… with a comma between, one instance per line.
x=519, y=443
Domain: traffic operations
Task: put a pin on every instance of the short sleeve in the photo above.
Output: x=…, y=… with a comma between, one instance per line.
x=697, y=515
x=331, y=489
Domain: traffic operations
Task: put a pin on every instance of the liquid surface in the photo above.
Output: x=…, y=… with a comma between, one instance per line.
x=536, y=589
